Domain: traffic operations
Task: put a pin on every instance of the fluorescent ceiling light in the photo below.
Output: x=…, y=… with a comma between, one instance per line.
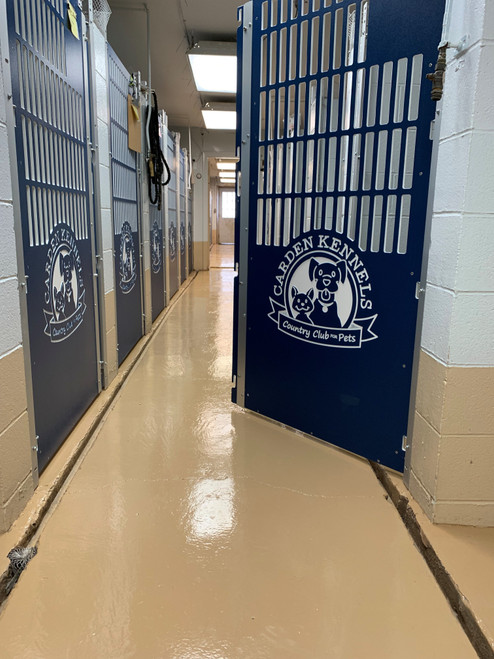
x=220, y=119
x=214, y=67
x=227, y=180
x=226, y=165
x=227, y=174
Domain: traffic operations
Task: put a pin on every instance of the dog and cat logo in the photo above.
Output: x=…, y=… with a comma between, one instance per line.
x=128, y=263
x=182, y=238
x=64, y=292
x=156, y=252
x=322, y=294
x=172, y=241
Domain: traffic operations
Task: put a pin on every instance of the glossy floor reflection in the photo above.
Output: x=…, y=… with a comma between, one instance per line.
x=194, y=530
x=221, y=256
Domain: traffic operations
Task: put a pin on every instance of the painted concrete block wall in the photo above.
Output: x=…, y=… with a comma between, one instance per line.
x=104, y=222
x=17, y=477
x=204, y=144
x=452, y=450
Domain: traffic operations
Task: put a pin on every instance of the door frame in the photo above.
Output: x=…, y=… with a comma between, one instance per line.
x=222, y=189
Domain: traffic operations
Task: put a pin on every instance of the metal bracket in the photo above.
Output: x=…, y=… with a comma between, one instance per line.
x=23, y=284
x=460, y=46
x=419, y=290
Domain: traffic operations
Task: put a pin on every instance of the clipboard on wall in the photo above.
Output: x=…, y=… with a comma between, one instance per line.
x=134, y=124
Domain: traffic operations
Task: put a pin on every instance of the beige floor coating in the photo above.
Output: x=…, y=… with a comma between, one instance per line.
x=467, y=553
x=194, y=530
x=221, y=256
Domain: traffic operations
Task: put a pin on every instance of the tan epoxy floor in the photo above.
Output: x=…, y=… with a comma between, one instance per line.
x=221, y=256
x=194, y=530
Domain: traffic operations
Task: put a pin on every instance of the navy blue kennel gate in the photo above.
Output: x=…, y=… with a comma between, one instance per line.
x=335, y=140
x=125, y=206
x=49, y=94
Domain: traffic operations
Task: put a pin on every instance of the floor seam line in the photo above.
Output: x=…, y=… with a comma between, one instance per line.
x=458, y=602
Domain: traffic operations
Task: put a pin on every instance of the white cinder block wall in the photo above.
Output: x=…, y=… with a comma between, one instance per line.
x=18, y=470
x=103, y=192
x=204, y=144
x=452, y=451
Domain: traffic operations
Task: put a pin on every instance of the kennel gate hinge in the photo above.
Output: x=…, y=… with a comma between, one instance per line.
x=437, y=78
x=419, y=290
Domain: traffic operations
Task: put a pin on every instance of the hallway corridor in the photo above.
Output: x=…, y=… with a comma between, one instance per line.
x=194, y=530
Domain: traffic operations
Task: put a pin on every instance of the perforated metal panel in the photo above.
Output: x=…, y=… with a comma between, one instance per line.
x=336, y=154
x=157, y=270
x=183, y=212
x=49, y=94
x=126, y=220
x=172, y=218
x=190, y=239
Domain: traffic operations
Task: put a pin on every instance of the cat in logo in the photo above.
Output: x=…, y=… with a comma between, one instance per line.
x=302, y=304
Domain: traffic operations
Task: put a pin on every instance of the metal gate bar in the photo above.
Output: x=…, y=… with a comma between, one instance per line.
x=125, y=207
x=173, y=275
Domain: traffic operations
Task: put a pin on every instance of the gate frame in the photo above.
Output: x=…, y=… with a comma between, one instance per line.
x=139, y=215
x=93, y=189
x=245, y=32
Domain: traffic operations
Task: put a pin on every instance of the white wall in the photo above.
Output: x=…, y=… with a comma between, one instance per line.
x=459, y=314
x=205, y=144
x=451, y=463
x=103, y=193
x=18, y=464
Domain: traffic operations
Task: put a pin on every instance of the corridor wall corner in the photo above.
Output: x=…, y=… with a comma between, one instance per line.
x=18, y=462
x=450, y=462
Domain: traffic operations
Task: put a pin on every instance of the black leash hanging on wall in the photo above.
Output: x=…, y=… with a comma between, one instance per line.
x=155, y=158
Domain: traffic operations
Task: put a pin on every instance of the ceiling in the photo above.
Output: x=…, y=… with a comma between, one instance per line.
x=175, y=25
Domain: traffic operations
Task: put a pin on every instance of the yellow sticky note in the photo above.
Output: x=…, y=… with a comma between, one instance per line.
x=135, y=111
x=72, y=20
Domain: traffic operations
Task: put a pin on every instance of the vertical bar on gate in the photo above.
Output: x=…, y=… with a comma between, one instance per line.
x=245, y=143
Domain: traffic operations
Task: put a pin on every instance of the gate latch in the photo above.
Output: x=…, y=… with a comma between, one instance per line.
x=437, y=78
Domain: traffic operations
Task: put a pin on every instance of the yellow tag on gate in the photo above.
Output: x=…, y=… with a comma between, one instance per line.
x=135, y=111
x=72, y=20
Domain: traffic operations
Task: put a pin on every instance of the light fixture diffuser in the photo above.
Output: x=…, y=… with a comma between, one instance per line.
x=214, y=66
x=220, y=119
x=226, y=166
